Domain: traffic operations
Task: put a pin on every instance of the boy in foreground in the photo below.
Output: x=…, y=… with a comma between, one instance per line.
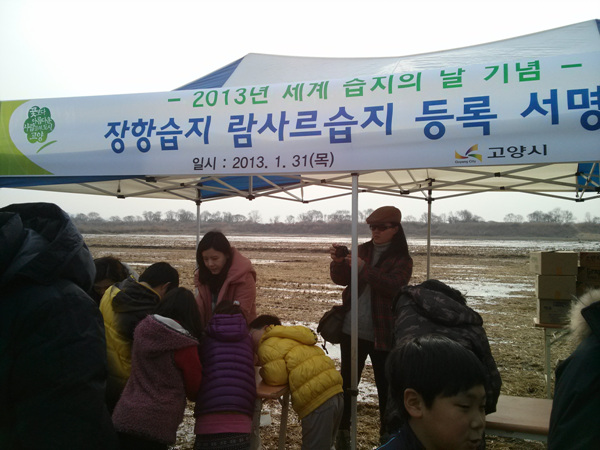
x=288, y=355
x=437, y=386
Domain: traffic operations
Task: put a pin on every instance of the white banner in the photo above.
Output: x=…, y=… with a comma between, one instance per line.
x=519, y=112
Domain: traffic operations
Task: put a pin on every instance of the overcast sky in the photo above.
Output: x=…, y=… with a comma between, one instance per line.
x=85, y=48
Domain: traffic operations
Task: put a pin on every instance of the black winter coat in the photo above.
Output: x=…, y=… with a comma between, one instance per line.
x=576, y=405
x=420, y=311
x=52, y=347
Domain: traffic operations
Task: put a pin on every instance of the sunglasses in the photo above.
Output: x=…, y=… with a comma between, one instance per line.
x=380, y=227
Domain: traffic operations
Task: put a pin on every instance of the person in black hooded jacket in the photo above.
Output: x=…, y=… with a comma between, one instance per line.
x=433, y=307
x=52, y=347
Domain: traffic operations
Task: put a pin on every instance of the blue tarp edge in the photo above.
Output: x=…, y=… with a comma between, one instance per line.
x=214, y=79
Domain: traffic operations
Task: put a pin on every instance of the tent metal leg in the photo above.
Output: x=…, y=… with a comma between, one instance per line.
x=354, y=313
x=429, y=201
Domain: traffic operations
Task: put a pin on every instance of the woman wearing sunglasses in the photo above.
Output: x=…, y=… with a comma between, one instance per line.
x=384, y=266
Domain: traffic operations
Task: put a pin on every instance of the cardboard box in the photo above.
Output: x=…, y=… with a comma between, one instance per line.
x=553, y=311
x=555, y=287
x=554, y=263
x=590, y=259
x=587, y=274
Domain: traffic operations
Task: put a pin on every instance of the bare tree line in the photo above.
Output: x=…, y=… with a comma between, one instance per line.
x=556, y=216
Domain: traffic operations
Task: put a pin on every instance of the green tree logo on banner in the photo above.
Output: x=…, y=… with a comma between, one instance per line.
x=38, y=125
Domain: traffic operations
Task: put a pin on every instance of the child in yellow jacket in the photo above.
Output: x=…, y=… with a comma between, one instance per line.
x=288, y=355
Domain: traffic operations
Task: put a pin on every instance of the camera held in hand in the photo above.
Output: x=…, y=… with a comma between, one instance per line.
x=341, y=251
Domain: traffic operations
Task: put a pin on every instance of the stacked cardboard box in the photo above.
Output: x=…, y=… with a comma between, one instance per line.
x=555, y=284
x=588, y=273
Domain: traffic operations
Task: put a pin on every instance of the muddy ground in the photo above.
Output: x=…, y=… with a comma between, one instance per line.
x=294, y=284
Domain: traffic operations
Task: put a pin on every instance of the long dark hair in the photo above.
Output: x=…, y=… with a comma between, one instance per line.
x=398, y=245
x=217, y=241
x=180, y=305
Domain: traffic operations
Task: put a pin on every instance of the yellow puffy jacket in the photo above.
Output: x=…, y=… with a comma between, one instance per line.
x=288, y=354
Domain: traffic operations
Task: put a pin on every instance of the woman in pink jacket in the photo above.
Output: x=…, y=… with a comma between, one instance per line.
x=223, y=273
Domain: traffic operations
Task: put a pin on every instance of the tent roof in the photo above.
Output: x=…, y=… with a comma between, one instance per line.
x=573, y=181
x=256, y=69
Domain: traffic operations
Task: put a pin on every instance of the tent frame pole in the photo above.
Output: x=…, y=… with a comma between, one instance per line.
x=354, y=315
x=197, y=222
x=429, y=201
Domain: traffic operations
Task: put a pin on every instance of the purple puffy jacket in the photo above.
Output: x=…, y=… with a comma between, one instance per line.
x=228, y=376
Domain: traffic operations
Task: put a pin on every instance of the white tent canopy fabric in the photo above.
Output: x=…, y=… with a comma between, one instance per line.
x=559, y=68
x=519, y=115
x=255, y=69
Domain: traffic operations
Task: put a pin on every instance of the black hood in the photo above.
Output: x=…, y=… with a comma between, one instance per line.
x=39, y=244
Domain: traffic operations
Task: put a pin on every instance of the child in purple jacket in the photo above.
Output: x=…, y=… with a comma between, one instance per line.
x=225, y=403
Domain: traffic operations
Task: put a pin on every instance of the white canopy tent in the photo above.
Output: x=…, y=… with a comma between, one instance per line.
x=519, y=115
x=414, y=151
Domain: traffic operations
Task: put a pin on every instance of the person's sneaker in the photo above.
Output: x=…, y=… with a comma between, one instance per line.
x=342, y=441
